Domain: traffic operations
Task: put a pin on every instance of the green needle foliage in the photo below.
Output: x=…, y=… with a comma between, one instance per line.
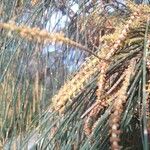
x=74, y=75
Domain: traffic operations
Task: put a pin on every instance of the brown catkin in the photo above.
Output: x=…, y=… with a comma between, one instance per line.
x=40, y=35
x=103, y=66
x=93, y=116
x=118, y=108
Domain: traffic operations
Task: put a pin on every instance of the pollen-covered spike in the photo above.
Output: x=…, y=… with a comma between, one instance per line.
x=93, y=116
x=118, y=107
x=90, y=67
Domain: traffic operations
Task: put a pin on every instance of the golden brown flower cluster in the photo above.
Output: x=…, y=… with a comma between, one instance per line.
x=118, y=107
x=40, y=35
x=71, y=88
x=93, y=116
x=104, y=65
